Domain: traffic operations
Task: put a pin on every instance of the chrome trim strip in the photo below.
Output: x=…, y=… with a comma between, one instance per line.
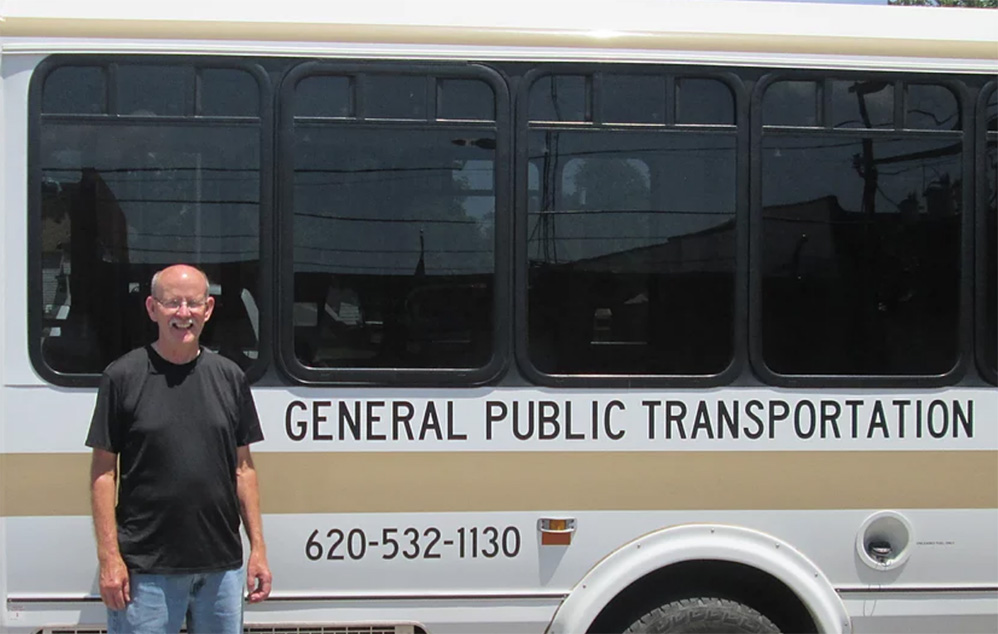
x=292, y=597
x=916, y=589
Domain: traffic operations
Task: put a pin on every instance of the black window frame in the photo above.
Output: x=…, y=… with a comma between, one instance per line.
x=35, y=116
x=988, y=91
x=738, y=129
x=900, y=80
x=284, y=171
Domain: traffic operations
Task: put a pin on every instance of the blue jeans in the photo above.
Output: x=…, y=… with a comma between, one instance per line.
x=212, y=602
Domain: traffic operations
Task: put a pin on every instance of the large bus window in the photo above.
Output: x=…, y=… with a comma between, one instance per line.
x=989, y=333
x=860, y=250
x=393, y=225
x=125, y=192
x=630, y=240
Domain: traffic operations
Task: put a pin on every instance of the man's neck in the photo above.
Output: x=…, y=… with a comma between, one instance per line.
x=177, y=355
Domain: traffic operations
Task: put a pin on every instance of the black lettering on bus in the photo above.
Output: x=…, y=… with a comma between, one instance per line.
x=612, y=405
x=431, y=422
x=651, y=405
x=296, y=428
x=750, y=408
x=523, y=435
x=878, y=421
x=811, y=414
x=942, y=419
x=372, y=418
x=400, y=419
x=854, y=419
x=675, y=412
x=318, y=418
x=451, y=434
x=727, y=418
x=702, y=421
x=830, y=411
x=902, y=406
x=963, y=419
x=495, y=412
x=778, y=410
x=548, y=427
x=346, y=420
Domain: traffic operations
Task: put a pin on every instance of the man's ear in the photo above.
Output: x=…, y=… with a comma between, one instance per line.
x=209, y=306
x=150, y=308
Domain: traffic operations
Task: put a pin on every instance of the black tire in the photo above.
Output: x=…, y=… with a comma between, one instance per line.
x=702, y=615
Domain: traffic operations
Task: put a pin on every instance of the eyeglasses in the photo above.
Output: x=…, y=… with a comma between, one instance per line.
x=175, y=304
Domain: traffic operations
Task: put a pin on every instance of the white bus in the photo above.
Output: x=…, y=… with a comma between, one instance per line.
x=560, y=317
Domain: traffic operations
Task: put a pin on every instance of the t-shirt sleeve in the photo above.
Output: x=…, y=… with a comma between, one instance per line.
x=248, y=429
x=104, y=425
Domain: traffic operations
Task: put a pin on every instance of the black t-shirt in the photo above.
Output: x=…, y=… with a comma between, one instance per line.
x=175, y=429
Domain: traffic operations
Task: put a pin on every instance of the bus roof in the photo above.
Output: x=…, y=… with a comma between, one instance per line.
x=526, y=25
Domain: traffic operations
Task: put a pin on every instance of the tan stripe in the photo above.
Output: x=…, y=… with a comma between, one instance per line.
x=477, y=36
x=56, y=484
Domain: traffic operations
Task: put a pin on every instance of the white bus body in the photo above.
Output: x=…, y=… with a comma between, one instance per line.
x=504, y=502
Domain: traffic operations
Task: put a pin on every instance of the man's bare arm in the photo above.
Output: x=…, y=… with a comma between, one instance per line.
x=258, y=577
x=114, y=587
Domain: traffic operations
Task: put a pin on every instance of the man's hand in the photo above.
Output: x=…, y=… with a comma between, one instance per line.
x=258, y=577
x=114, y=587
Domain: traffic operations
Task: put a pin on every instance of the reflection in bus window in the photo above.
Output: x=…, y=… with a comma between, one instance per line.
x=930, y=107
x=121, y=200
x=791, y=103
x=704, y=101
x=631, y=253
x=861, y=238
x=990, y=210
x=393, y=246
x=561, y=98
x=862, y=104
x=638, y=99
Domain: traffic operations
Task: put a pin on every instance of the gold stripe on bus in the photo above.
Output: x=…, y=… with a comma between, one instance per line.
x=495, y=37
x=56, y=484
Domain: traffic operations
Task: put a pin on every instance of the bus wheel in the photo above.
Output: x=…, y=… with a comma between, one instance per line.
x=702, y=614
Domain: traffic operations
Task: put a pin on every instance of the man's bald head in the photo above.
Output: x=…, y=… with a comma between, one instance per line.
x=177, y=272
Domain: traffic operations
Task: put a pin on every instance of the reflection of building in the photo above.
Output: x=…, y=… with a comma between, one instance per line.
x=707, y=251
x=95, y=329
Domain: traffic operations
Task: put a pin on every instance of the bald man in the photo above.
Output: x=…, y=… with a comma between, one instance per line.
x=174, y=422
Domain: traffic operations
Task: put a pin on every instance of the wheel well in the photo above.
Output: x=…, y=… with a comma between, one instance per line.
x=724, y=579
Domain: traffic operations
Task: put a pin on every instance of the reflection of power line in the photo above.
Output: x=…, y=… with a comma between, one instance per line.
x=404, y=270
x=192, y=236
x=634, y=153
x=644, y=236
x=139, y=170
x=193, y=201
x=637, y=265
x=448, y=221
x=249, y=255
x=400, y=251
x=378, y=170
x=652, y=213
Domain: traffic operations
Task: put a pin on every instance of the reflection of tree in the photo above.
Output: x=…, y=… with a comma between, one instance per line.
x=983, y=4
x=608, y=184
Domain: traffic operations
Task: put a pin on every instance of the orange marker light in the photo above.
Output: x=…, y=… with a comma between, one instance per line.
x=556, y=532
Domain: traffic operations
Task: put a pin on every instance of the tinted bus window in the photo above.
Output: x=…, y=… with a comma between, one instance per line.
x=394, y=230
x=990, y=210
x=123, y=196
x=860, y=248
x=630, y=244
